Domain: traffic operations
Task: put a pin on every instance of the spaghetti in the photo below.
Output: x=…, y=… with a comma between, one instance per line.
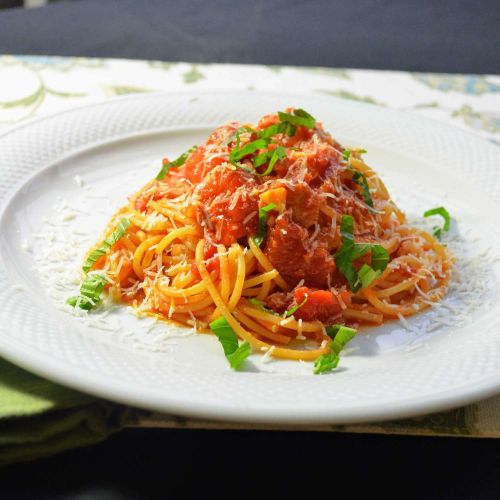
x=277, y=229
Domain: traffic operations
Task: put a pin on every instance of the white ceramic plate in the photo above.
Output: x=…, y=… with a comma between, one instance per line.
x=61, y=177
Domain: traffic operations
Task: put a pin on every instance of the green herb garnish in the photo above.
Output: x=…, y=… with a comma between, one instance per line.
x=346, y=155
x=96, y=254
x=268, y=132
x=367, y=275
x=298, y=118
x=326, y=363
x=446, y=217
x=262, y=224
x=237, y=357
x=93, y=284
x=90, y=292
x=294, y=309
x=234, y=352
x=340, y=336
x=238, y=153
x=174, y=164
x=380, y=257
x=236, y=134
x=351, y=251
x=287, y=125
x=272, y=156
x=360, y=179
x=260, y=305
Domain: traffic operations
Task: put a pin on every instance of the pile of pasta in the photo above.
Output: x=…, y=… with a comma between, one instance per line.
x=277, y=229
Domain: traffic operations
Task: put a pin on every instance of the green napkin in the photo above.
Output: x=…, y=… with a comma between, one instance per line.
x=39, y=418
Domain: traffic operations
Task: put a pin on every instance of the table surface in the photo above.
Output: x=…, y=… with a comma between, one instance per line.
x=446, y=36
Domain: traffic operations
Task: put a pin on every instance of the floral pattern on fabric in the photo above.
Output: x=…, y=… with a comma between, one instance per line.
x=38, y=85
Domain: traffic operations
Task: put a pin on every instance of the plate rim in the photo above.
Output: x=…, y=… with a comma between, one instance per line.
x=88, y=383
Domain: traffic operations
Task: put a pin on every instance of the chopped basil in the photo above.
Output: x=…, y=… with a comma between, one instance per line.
x=262, y=158
x=347, y=228
x=118, y=233
x=299, y=118
x=294, y=309
x=272, y=156
x=380, y=257
x=340, y=336
x=240, y=166
x=326, y=363
x=262, y=224
x=225, y=334
x=238, y=153
x=289, y=129
x=346, y=155
x=234, y=352
x=93, y=284
x=236, y=134
x=121, y=229
x=446, y=217
x=96, y=254
x=260, y=305
x=287, y=125
x=367, y=275
x=304, y=114
x=360, y=179
x=268, y=132
x=237, y=357
x=90, y=292
x=178, y=162
x=351, y=251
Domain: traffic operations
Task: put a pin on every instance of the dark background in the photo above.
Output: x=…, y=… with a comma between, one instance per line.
x=444, y=36
x=417, y=35
x=142, y=464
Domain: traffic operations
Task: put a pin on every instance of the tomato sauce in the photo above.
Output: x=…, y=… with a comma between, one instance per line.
x=301, y=234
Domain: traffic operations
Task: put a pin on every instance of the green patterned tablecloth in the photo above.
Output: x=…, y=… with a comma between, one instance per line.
x=35, y=86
